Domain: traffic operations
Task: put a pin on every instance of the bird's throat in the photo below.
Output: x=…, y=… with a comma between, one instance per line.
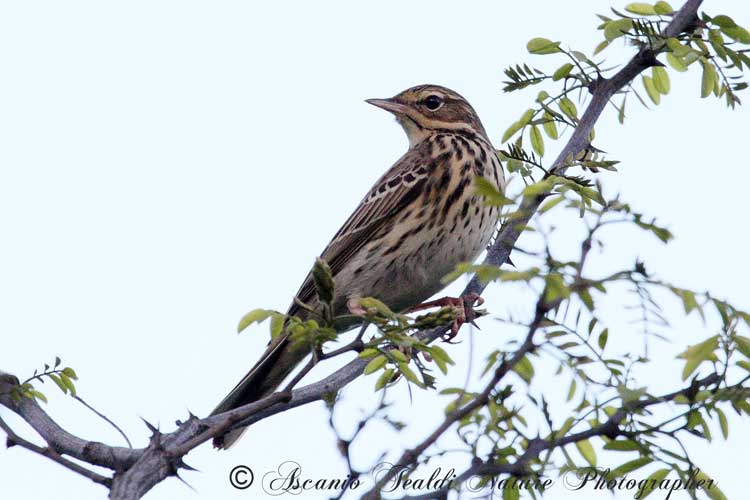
x=414, y=132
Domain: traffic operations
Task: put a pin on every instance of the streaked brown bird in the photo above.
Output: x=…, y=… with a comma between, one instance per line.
x=419, y=220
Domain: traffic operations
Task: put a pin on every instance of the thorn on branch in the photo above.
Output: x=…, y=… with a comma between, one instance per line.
x=182, y=465
x=695, y=24
x=184, y=482
x=150, y=426
x=648, y=59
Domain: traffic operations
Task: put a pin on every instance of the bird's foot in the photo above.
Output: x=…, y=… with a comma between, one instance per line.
x=464, y=307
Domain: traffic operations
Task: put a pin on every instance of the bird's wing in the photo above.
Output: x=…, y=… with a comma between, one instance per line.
x=395, y=190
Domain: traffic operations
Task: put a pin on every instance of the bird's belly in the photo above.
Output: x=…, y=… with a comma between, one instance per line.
x=410, y=276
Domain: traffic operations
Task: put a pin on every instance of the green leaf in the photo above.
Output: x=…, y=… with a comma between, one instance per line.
x=723, y=424
x=524, y=369
x=564, y=428
x=562, y=71
x=586, y=298
x=691, y=57
x=661, y=80
x=738, y=34
x=697, y=354
x=277, y=324
x=487, y=189
x=603, y=45
x=717, y=42
x=723, y=21
x=254, y=316
x=622, y=445
x=486, y=273
x=58, y=381
x=555, y=288
x=409, y=374
x=527, y=116
x=663, y=8
x=38, y=395
x=579, y=55
x=587, y=451
x=519, y=275
x=628, y=395
x=369, y=352
x=743, y=345
x=628, y=467
x=537, y=188
x=398, y=356
x=537, y=141
x=511, y=493
x=68, y=383
x=641, y=9
x=648, y=84
x=677, y=48
x=714, y=493
x=376, y=364
x=438, y=352
x=617, y=28
x=441, y=365
x=567, y=107
x=709, y=79
x=652, y=482
x=373, y=305
x=603, y=338
x=384, y=378
x=571, y=390
x=676, y=62
x=542, y=46
x=69, y=372
x=514, y=127
x=550, y=127
x=323, y=279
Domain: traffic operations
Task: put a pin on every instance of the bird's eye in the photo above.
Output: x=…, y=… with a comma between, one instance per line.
x=433, y=102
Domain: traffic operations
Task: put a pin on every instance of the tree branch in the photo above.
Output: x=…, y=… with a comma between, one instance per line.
x=92, y=452
x=136, y=471
x=610, y=428
x=14, y=439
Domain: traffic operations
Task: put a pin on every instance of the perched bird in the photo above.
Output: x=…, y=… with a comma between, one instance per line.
x=419, y=220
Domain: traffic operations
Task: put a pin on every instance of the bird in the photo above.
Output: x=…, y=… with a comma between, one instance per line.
x=417, y=222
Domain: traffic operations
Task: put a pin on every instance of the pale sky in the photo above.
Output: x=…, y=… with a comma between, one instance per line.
x=168, y=166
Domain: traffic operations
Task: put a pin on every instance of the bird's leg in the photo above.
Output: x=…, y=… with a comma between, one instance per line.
x=464, y=307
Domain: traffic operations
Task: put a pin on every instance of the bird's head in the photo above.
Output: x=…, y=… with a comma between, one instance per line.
x=425, y=109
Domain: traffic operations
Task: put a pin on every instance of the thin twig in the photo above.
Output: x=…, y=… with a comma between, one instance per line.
x=104, y=417
x=609, y=428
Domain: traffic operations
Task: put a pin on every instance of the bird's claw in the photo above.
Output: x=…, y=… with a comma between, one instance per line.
x=465, y=312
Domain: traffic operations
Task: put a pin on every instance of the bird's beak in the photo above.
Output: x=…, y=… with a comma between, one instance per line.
x=389, y=105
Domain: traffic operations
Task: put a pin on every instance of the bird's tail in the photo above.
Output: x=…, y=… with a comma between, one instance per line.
x=278, y=361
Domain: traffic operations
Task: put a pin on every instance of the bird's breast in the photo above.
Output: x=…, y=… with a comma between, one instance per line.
x=444, y=226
